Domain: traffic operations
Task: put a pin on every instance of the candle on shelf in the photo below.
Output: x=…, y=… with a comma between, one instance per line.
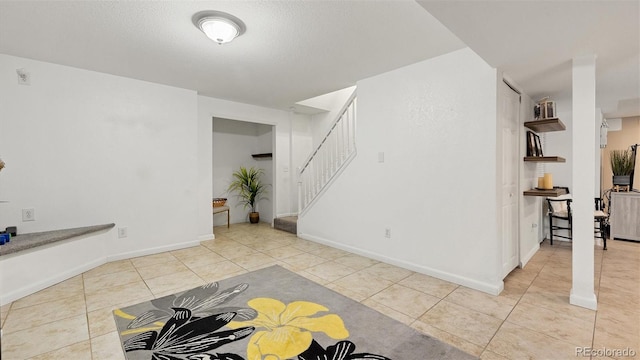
x=541, y=182
x=548, y=181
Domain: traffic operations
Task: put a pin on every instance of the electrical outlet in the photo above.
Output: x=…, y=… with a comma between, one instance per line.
x=28, y=215
x=387, y=233
x=123, y=232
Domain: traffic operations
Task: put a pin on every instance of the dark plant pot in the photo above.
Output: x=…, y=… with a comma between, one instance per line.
x=254, y=217
x=622, y=180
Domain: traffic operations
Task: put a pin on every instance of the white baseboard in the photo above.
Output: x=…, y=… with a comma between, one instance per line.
x=529, y=255
x=49, y=281
x=206, y=237
x=151, y=251
x=493, y=289
x=589, y=302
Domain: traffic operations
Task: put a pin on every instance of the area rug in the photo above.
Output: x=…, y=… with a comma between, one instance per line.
x=268, y=314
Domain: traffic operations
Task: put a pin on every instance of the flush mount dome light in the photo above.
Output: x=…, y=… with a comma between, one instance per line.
x=219, y=26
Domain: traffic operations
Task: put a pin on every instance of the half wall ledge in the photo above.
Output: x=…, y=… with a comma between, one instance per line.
x=33, y=240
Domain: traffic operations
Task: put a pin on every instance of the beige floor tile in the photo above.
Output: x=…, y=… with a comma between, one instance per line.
x=107, y=347
x=153, y=271
x=36, y=315
x=190, y=251
x=347, y=292
x=363, y=284
x=429, y=285
x=623, y=298
x=556, y=324
x=330, y=271
x=155, y=259
x=205, y=259
x=264, y=245
x=4, y=311
x=235, y=251
x=517, y=342
x=177, y=281
x=490, y=355
x=109, y=280
x=496, y=306
x=67, y=288
x=101, y=321
x=514, y=289
x=217, y=270
x=304, y=261
x=218, y=277
x=307, y=246
x=559, y=303
x=410, y=302
x=617, y=328
x=356, y=261
x=253, y=260
x=467, y=324
x=448, y=338
x=388, y=272
x=41, y=339
x=77, y=351
x=117, y=294
x=329, y=253
x=407, y=320
x=109, y=268
x=523, y=275
x=283, y=252
x=305, y=274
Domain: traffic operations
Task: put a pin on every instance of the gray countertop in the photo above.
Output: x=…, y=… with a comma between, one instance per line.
x=33, y=240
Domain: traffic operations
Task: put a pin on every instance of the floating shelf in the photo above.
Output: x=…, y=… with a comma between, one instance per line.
x=545, y=125
x=543, y=192
x=556, y=159
x=262, y=156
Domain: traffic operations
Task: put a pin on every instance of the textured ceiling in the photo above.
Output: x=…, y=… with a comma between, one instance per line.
x=291, y=51
x=534, y=42
x=295, y=50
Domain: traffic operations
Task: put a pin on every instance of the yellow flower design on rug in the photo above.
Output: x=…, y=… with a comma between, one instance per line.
x=285, y=331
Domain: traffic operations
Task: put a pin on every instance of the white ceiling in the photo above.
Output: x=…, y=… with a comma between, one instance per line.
x=534, y=42
x=291, y=51
x=295, y=50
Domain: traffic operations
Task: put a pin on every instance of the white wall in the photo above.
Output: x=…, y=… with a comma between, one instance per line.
x=85, y=148
x=208, y=108
x=234, y=142
x=436, y=123
x=333, y=102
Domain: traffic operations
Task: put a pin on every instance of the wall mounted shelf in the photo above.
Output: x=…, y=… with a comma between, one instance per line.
x=262, y=156
x=545, y=125
x=543, y=192
x=554, y=159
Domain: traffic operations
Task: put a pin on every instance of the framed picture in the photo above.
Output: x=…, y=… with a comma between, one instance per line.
x=538, y=146
x=531, y=144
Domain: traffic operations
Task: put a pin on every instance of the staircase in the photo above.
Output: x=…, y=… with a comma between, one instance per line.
x=287, y=223
x=328, y=160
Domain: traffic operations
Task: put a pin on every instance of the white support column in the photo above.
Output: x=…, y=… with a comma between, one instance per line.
x=584, y=107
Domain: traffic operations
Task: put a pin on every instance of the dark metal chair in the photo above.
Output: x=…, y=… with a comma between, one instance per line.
x=559, y=209
x=601, y=222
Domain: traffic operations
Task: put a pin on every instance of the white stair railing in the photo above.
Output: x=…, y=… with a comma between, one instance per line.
x=335, y=151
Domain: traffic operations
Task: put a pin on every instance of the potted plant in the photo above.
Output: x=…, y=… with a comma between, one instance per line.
x=250, y=189
x=622, y=164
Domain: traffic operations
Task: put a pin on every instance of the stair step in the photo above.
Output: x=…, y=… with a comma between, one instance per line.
x=287, y=223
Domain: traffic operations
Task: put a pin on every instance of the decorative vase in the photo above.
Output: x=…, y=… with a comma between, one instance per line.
x=622, y=180
x=254, y=217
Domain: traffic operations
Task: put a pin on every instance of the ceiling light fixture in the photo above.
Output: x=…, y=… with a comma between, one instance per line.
x=219, y=26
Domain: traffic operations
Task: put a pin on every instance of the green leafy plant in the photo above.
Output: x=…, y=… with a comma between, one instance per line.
x=622, y=162
x=248, y=185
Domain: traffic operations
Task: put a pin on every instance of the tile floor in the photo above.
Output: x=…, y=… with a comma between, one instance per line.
x=531, y=319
